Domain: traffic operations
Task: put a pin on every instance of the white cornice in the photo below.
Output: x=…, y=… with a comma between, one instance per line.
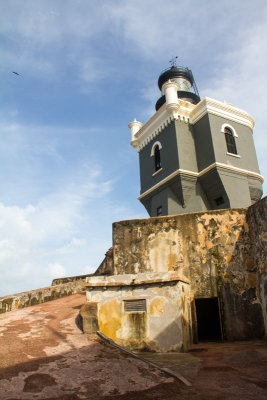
x=199, y=174
x=160, y=120
x=225, y=110
x=188, y=112
x=231, y=168
x=168, y=178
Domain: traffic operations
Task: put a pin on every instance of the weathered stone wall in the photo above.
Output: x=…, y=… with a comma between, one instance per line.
x=163, y=326
x=196, y=245
x=106, y=267
x=26, y=299
x=59, y=281
x=244, y=290
x=222, y=253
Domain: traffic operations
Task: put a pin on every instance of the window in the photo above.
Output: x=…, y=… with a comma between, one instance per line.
x=230, y=141
x=159, y=211
x=157, y=158
x=135, y=305
x=155, y=152
x=219, y=201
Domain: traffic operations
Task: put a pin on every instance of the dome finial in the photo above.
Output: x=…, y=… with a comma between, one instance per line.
x=173, y=61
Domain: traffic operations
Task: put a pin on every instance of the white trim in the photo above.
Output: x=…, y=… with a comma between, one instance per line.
x=225, y=110
x=155, y=173
x=230, y=127
x=233, y=155
x=191, y=113
x=159, y=121
x=198, y=174
x=230, y=167
x=168, y=178
x=153, y=148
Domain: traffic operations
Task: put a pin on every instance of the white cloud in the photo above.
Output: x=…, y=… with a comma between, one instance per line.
x=36, y=239
x=56, y=270
x=72, y=246
x=45, y=35
x=68, y=222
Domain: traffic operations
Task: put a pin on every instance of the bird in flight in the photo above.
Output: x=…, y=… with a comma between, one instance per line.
x=16, y=73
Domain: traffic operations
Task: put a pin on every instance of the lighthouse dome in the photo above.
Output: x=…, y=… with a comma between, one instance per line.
x=185, y=81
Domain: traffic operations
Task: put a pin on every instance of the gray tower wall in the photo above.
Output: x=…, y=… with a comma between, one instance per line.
x=236, y=187
x=192, y=149
x=203, y=143
x=244, y=144
x=186, y=146
x=182, y=193
x=160, y=199
x=169, y=158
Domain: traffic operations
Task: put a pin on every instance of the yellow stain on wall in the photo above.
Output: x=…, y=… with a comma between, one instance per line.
x=172, y=258
x=110, y=318
x=163, y=250
x=228, y=257
x=156, y=306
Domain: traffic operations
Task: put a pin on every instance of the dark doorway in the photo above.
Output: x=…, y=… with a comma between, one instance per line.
x=208, y=319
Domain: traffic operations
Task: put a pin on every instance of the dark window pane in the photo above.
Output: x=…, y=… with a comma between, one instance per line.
x=230, y=141
x=159, y=211
x=157, y=158
x=219, y=201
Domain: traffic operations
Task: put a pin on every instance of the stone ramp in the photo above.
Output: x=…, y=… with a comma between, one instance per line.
x=183, y=364
x=44, y=355
x=217, y=371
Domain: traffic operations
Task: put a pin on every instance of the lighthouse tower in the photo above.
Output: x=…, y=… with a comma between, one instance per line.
x=195, y=155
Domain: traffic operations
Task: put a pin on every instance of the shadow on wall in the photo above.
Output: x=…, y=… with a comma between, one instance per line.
x=174, y=337
x=242, y=286
x=177, y=337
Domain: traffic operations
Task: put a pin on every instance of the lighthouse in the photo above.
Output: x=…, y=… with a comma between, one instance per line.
x=194, y=154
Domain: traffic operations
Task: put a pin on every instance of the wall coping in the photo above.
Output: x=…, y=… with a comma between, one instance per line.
x=38, y=296
x=135, y=279
x=241, y=210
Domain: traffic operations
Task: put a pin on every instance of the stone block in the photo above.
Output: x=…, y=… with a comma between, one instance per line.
x=88, y=313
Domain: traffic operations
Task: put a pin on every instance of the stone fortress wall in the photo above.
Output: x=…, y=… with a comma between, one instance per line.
x=216, y=254
x=222, y=254
x=60, y=288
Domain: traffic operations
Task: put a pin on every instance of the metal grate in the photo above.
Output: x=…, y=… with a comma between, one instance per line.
x=134, y=305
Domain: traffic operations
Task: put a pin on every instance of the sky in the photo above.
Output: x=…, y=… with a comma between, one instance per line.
x=86, y=69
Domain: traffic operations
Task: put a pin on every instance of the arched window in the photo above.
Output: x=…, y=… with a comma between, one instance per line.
x=230, y=141
x=155, y=152
x=157, y=158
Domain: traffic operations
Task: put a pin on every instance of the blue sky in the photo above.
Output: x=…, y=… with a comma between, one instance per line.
x=87, y=68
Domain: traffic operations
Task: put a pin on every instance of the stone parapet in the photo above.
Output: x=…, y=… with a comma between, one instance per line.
x=134, y=279
x=38, y=296
x=59, y=281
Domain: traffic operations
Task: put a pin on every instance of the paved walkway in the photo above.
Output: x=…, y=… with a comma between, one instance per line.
x=44, y=355
x=217, y=371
